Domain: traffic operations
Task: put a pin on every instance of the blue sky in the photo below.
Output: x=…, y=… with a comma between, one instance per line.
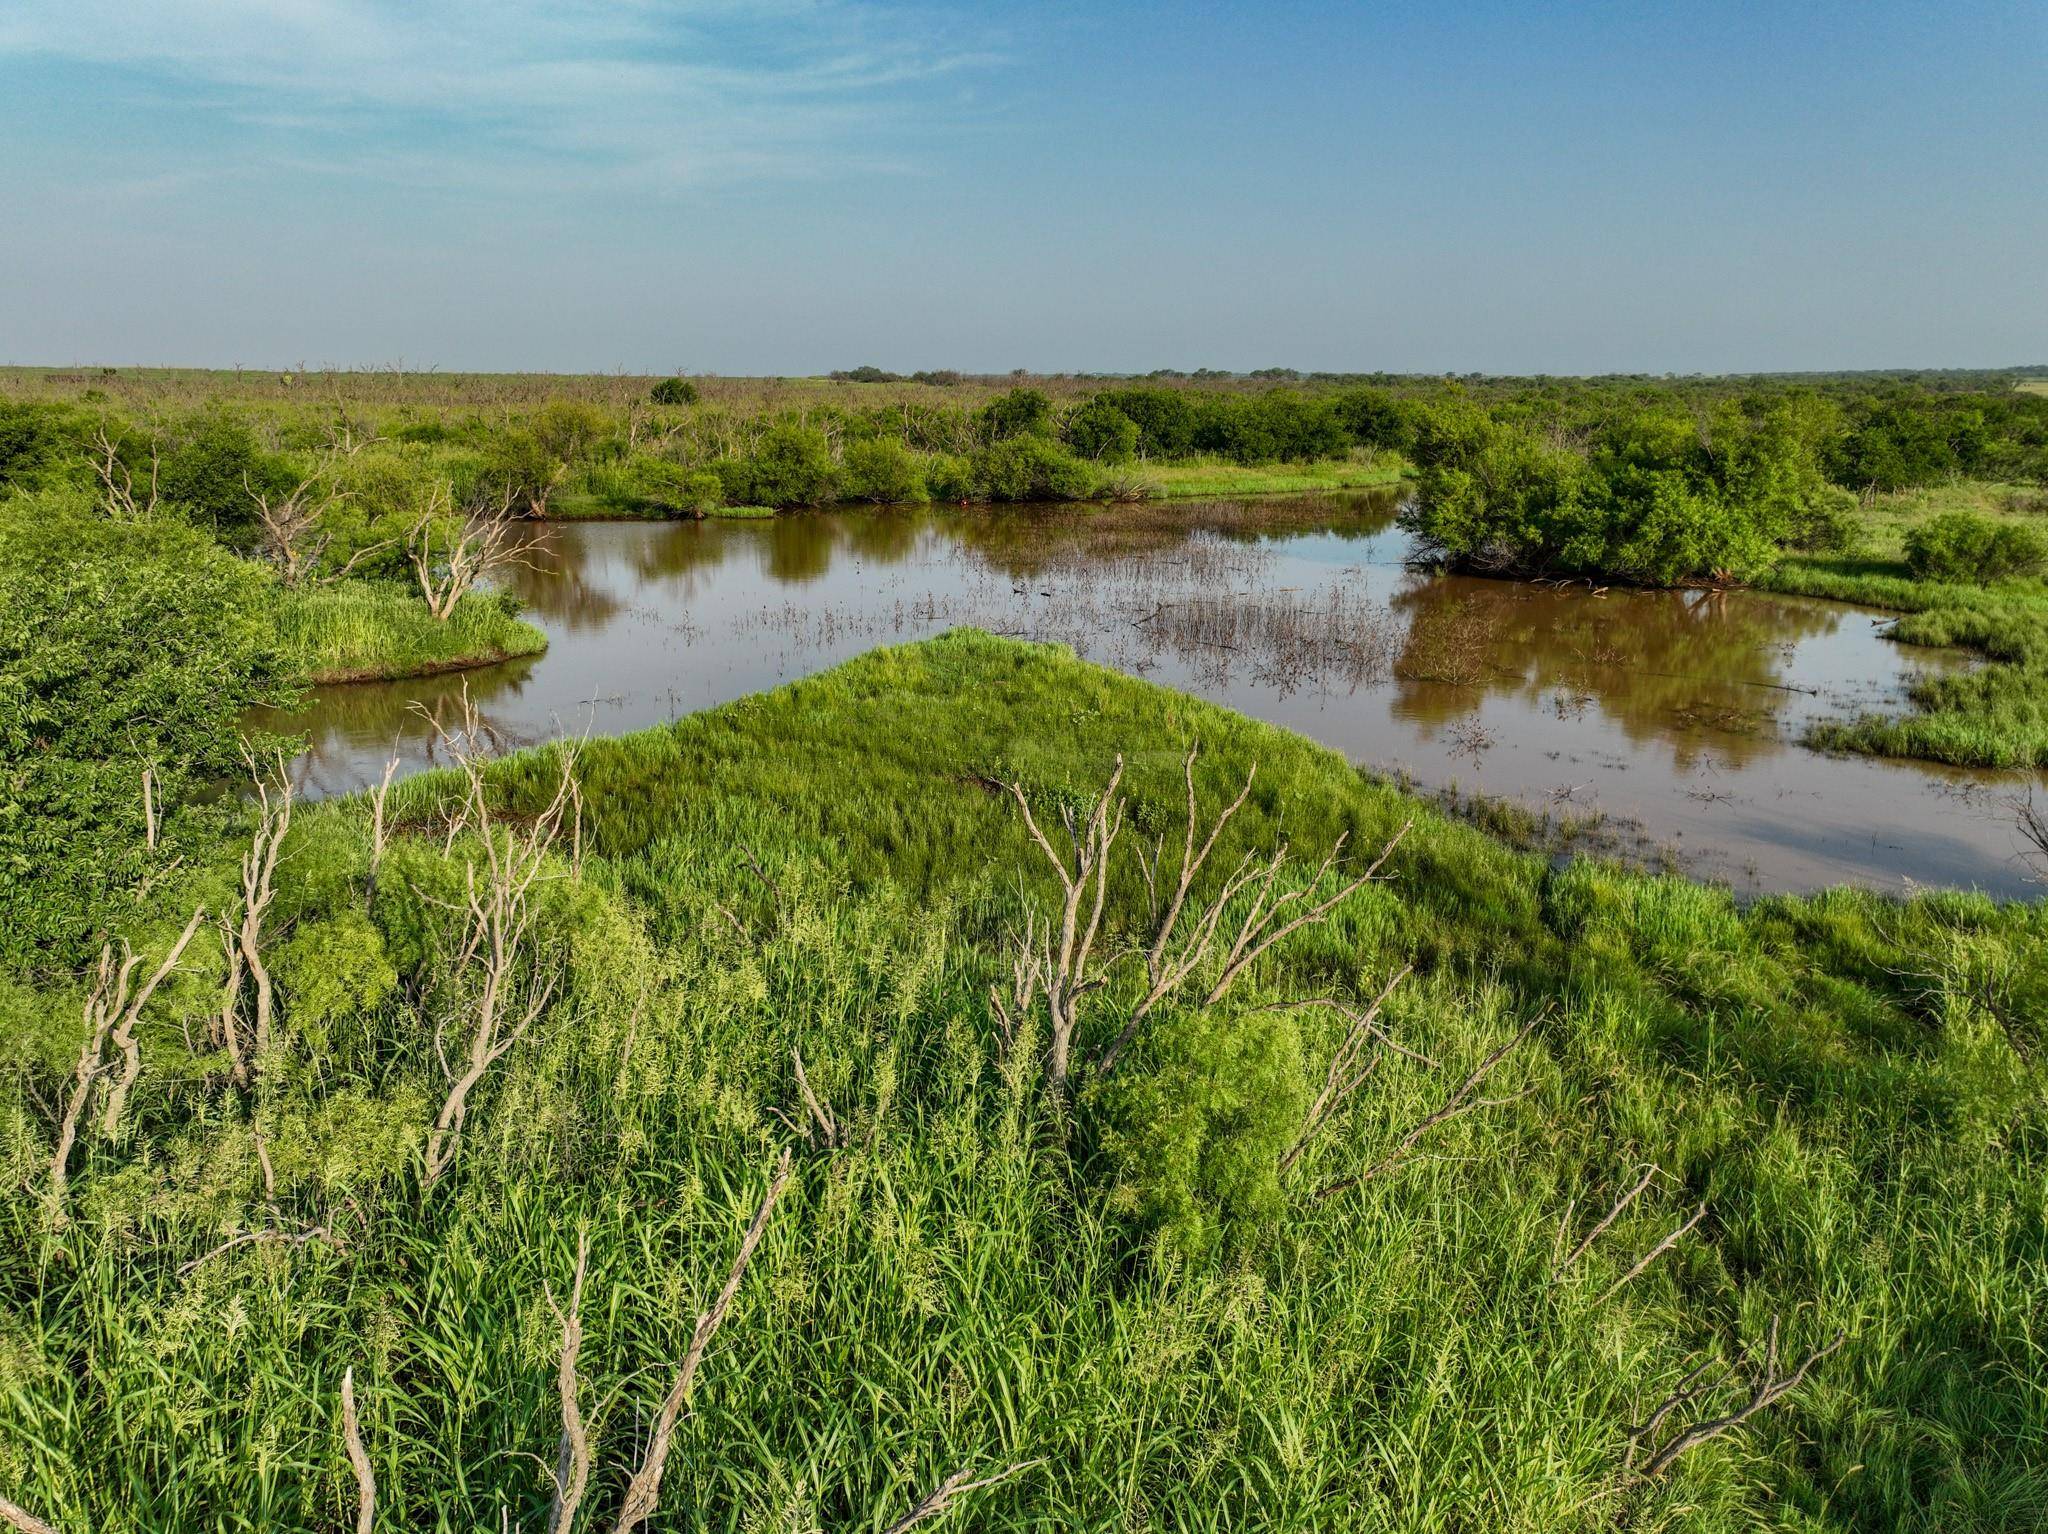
x=796, y=185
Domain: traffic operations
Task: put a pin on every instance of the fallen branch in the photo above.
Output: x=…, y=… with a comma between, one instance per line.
x=940, y=1497
x=1653, y=1254
x=643, y=1491
x=1599, y=1230
x=1457, y=1105
x=1766, y=1388
x=358, y=1457
x=258, y=1237
x=15, y=1516
x=572, y=1458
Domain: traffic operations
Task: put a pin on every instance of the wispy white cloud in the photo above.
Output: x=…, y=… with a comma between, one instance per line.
x=653, y=94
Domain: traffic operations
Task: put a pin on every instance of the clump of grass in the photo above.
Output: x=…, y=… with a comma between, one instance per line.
x=365, y=631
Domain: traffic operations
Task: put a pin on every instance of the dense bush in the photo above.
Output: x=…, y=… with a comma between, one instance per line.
x=1957, y=546
x=1020, y=413
x=881, y=469
x=1029, y=468
x=207, y=468
x=1651, y=497
x=647, y=483
x=1100, y=431
x=789, y=466
x=122, y=646
x=673, y=391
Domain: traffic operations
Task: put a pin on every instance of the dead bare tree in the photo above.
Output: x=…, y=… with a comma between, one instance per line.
x=1769, y=1385
x=572, y=1457
x=643, y=1491
x=1183, y=939
x=1069, y=973
x=113, y=1007
x=379, y=827
x=290, y=531
x=501, y=986
x=117, y=480
x=358, y=1456
x=247, y=969
x=2030, y=818
x=450, y=555
x=1457, y=1105
x=941, y=1496
x=1345, y=1075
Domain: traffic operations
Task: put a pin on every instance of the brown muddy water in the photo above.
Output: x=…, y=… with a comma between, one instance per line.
x=1659, y=725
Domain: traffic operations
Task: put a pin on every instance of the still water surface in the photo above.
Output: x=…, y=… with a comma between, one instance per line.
x=1673, y=717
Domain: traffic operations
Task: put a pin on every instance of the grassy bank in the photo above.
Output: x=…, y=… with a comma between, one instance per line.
x=1118, y=1291
x=1197, y=480
x=362, y=631
x=1993, y=716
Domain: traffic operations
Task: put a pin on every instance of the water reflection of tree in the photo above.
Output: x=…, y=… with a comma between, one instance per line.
x=1033, y=542
x=1663, y=666
x=351, y=730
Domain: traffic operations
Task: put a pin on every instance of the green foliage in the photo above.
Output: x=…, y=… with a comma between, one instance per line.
x=1193, y=1132
x=1100, y=431
x=375, y=630
x=673, y=391
x=522, y=470
x=962, y=1280
x=569, y=432
x=208, y=468
x=122, y=646
x=789, y=466
x=645, y=485
x=41, y=445
x=1027, y=468
x=1019, y=413
x=1957, y=546
x=883, y=470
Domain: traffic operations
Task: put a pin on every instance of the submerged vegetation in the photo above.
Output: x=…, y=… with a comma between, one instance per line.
x=972, y=1069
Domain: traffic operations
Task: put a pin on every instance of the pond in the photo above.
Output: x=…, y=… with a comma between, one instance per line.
x=1656, y=724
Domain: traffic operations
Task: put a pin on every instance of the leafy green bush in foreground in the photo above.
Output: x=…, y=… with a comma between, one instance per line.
x=1957, y=546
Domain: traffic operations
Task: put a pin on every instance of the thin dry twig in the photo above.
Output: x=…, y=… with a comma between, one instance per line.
x=1611, y=1216
x=828, y=1132
x=259, y=1237
x=1459, y=1103
x=1653, y=1254
x=1345, y=1074
x=941, y=1496
x=643, y=1491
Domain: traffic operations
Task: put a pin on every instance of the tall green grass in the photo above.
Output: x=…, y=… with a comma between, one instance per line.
x=370, y=630
x=1851, y=1084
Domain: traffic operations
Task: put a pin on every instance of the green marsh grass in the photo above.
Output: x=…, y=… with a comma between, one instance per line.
x=364, y=631
x=1852, y=1084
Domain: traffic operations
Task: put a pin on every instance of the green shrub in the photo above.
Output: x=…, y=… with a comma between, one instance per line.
x=949, y=477
x=122, y=645
x=790, y=466
x=208, y=467
x=1194, y=1129
x=1825, y=524
x=1019, y=413
x=673, y=391
x=1960, y=546
x=882, y=469
x=1028, y=468
x=1100, y=431
x=645, y=483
